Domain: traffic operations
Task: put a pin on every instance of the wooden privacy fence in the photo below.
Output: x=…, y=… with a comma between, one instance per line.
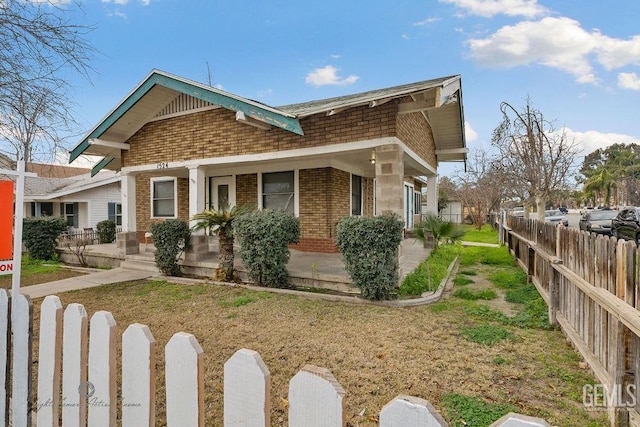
x=77, y=378
x=590, y=284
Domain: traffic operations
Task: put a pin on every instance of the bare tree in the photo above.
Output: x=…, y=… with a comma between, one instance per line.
x=538, y=158
x=40, y=46
x=480, y=188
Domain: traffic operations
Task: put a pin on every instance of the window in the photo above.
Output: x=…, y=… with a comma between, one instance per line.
x=278, y=191
x=163, y=198
x=115, y=212
x=417, y=203
x=70, y=212
x=356, y=195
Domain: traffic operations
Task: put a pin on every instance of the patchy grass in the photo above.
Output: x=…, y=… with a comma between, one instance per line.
x=486, y=334
x=508, y=278
x=468, y=272
x=374, y=352
x=35, y=272
x=482, y=255
x=471, y=295
x=428, y=275
x=461, y=280
x=485, y=235
x=465, y=410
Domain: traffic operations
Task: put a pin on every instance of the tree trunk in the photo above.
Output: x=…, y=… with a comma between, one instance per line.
x=226, y=255
x=540, y=202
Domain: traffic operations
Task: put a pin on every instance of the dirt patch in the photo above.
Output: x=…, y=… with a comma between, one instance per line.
x=36, y=279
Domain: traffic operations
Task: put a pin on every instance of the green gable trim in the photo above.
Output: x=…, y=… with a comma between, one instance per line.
x=282, y=120
x=101, y=165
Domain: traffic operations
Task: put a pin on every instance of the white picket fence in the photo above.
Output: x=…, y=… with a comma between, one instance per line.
x=77, y=378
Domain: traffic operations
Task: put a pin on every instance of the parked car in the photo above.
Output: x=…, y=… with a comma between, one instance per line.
x=626, y=225
x=598, y=221
x=517, y=211
x=556, y=216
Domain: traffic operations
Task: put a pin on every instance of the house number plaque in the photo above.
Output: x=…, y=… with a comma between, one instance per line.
x=162, y=165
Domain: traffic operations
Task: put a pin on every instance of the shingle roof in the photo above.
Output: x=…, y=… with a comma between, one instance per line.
x=314, y=107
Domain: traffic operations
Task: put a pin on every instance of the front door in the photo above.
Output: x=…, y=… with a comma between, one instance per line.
x=222, y=192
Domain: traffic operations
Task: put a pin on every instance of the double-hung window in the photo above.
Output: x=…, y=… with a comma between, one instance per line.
x=163, y=197
x=115, y=213
x=278, y=191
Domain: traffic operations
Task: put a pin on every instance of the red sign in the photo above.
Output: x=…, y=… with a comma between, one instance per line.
x=6, y=220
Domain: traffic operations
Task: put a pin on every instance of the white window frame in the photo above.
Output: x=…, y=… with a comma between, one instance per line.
x=408, y=214
x=296, y=188
x=417, y=202
x=175, y=196
x=351, y=194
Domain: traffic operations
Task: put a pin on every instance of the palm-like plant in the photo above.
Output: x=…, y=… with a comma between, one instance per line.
x=441, y=230
x=220, y=222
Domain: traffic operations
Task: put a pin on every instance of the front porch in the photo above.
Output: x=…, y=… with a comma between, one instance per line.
x=307, y=269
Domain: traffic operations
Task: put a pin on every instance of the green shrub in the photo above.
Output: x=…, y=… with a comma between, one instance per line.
x=106, y=231
x=369, y=250
x=264, y=237
x=171, y=238
x=39, y=235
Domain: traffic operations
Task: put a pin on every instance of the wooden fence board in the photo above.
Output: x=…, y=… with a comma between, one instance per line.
x=410, y=411
x=184, y=381
x=316, y=399
x=74, y=366
x=138, y=377
x=247, y=388
x=22, y=328
x=101, y=392
x=49, y=362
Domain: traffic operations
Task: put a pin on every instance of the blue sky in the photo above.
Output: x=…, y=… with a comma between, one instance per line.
x=578, y=61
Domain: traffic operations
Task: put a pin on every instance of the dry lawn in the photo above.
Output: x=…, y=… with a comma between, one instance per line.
x=375, y=353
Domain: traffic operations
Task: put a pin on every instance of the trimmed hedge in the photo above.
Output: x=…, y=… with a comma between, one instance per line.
x=369, y=248
x=264, y=237
x=106, y=231
x=171, y=239
x=39, y=235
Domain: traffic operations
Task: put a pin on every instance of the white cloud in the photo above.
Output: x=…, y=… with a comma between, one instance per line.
x=429, y=20
x=265, y=92
x=470, y=135
x=629, y=81
x=489, y=8
x=589, y=141
x=328, y=76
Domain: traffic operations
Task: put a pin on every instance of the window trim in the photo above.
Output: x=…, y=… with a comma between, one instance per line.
x=351, y=194
x=116, y=215
x=296, y=188
x=175, y=196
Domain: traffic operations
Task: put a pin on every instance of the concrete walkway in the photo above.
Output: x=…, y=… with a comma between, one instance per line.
x=91, y=280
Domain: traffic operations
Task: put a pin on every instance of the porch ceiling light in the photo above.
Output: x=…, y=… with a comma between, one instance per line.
x=372, y=159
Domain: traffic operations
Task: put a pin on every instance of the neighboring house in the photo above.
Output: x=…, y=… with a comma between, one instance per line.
x=182, y=146
x=83, y=200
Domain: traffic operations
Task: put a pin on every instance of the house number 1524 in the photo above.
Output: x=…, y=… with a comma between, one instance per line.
x=163, y=165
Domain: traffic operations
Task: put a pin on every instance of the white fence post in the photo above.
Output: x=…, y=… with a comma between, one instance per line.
x=184, y=373
x=74, y=366
x=410, y=411
x=138, y=377
x=49, y=360
x=22, y=326
x=5, y=340
x=315, y=399
x=101, y=388
x=247, y=389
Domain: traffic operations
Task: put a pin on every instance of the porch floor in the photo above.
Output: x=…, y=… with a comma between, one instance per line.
x=303, y=267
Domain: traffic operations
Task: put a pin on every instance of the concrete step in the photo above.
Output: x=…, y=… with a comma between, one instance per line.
x=143, y=264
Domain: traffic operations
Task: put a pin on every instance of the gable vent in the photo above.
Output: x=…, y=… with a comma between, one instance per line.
x=181, y=104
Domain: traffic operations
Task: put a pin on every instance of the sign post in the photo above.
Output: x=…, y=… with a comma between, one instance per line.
x=11, y=219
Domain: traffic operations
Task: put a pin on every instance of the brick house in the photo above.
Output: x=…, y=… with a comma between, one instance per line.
x=182, y=146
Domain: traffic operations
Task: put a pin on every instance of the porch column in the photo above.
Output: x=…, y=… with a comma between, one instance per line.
x=196, y=194
x=128, y=189
x=390, y=187
x=390, y=180
x=432, y=195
